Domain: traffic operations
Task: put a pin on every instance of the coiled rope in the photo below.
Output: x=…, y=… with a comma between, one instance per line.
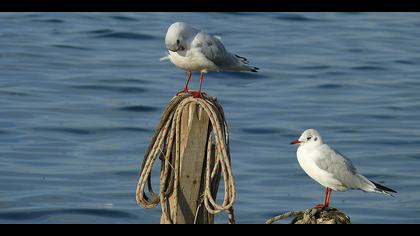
x=166, y=144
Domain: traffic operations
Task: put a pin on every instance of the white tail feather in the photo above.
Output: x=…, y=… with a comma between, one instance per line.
x=164, y=58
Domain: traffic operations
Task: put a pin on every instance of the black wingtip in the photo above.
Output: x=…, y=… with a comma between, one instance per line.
x=243, y=58
x=383, y=188
x=255, y=69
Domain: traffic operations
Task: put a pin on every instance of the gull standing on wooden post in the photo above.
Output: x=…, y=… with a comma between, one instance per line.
x=193, y=50
x=330, y=168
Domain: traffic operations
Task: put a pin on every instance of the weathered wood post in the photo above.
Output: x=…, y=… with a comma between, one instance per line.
x=192, y=143
x=194, y=132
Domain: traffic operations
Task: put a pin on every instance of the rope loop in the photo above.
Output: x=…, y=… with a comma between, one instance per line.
x=165, y=144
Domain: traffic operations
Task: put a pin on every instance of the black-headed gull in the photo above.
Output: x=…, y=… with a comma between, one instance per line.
x=330, y=168
x=194, y=50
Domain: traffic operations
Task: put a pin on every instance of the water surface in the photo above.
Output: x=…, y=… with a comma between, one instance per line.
x=81, y=94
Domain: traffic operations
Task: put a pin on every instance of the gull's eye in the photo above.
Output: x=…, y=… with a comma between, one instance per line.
x=177, y=41
x=308, y=138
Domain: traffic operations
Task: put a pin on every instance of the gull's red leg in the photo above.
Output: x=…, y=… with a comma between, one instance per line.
x=188, y=81
x=185, y=89
x=326, y=199
x=198, y=94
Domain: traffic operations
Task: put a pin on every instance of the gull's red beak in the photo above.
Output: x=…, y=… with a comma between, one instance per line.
x=295, y=142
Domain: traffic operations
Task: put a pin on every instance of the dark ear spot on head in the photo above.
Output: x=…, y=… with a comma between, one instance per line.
x=316, y=138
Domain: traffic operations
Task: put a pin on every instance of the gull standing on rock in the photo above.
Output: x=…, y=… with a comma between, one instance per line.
x=330, y=168
x=194, y=50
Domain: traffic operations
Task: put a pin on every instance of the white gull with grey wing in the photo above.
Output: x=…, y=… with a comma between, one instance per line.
x=193, y=50
x=330, y=168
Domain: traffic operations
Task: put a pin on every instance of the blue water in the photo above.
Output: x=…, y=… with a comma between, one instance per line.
x=81, y=94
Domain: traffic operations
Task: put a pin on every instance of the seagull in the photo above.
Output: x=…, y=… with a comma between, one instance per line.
x=330, y=168
x=193, y=50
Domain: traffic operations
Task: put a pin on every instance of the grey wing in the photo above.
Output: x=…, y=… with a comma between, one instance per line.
x=333, y=161
x=213, y=49
x=342, y=169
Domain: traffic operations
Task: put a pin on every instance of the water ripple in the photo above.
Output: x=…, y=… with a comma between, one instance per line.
x=126, y=35
x=298, y=18
x=406, y=62
x=368, y=68
x=35, y=214
x=111, y=88
x=139, y=108
x=261, y=130
x=91, y=131
x=329, y=86
x=14, y=93
x=71, y=47
x=124, y=18
x=100, y=31
x=315, y=67
x=50, y=20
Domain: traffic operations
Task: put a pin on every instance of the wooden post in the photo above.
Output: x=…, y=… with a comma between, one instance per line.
x=195, y=126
